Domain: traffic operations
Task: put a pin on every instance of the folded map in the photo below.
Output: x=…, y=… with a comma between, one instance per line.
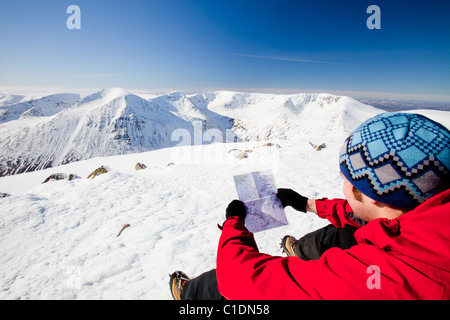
x=258, y=192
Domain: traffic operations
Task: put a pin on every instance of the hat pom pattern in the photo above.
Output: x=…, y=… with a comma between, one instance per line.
x=399, y=159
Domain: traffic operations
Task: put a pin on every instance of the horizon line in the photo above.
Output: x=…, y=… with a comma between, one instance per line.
x=47, y=90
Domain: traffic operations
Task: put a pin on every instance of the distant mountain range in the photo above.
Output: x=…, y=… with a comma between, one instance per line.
x=63, y=128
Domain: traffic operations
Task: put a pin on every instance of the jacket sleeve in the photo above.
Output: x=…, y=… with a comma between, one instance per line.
x=338, y=212
x=243, y=273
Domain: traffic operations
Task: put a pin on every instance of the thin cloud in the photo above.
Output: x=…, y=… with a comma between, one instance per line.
x=95, y=75
x=284, y=59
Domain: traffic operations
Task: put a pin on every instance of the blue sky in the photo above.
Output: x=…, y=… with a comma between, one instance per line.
x=214, y=44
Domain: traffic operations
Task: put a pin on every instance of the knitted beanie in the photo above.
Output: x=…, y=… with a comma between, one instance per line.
x=399, y=159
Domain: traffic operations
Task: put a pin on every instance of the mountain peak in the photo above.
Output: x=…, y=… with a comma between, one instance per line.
x=113, y=93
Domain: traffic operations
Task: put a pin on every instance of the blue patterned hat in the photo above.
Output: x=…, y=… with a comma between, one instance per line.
x=399, y=159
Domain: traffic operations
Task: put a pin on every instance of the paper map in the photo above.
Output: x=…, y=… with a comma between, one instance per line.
x=258, y=192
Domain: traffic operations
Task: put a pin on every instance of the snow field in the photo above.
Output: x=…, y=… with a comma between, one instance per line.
x=59, y=239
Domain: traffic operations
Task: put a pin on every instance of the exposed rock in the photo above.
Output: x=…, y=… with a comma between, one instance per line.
x=123, y=228
x=270, y=144
x=140, y=166
x=242, y=155
x=97, y=172
x=61, y=176
x=318, y=148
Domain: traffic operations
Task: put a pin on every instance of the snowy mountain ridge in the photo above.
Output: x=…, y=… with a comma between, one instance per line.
x=45, y=106
x=63, y=128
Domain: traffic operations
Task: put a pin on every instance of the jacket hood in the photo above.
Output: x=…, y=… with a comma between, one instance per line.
x=422, y=234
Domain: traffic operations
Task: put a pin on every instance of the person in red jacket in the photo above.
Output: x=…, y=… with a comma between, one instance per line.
x=395, y=170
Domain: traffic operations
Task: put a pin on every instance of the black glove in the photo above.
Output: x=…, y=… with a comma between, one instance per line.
x=236, y=209
x=289, y=197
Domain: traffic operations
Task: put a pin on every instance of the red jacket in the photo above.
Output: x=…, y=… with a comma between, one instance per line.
x=404, y=258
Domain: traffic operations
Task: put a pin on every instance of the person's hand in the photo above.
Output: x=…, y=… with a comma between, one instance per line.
x=289, y=197
x=236, y=209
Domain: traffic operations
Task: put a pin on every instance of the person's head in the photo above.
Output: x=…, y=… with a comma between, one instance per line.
x=393, y=162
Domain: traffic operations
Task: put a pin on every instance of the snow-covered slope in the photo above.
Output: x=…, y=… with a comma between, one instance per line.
x=59, y=129
x=269, y=116
x=7, y=99
x=43, y=107
x=59, y=239
x=109, y=122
